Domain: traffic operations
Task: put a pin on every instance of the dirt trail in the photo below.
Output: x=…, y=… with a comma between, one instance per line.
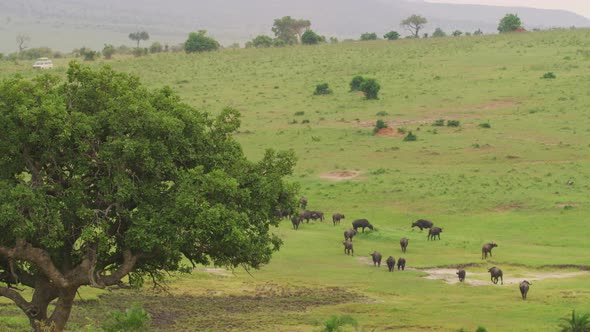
x=450, y=277
x=340, y=175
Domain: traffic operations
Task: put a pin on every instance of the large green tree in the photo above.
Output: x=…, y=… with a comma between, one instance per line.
x=101, y=179
x=414, y=24
x=139, y=36
x=290, y=30
x=509, y=23
x=198, y=42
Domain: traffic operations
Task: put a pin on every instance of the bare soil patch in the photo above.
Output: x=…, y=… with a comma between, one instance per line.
x=564, y=205
x=215, y=271
x=340, y=175
x=388, y=132
x=450, y=276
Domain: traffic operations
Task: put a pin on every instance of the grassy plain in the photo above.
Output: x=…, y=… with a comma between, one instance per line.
x=524, y=182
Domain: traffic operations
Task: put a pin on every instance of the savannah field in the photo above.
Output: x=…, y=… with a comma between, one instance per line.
x=524, y=183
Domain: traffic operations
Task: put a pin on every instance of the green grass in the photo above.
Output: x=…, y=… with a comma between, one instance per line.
x=523, y=183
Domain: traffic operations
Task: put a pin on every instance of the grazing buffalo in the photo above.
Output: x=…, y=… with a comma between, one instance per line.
x=487, y=249
x=306, y=215
x=390, y=263
x=282, y=214
x=315, y=215
x=496, y=273
x=361, y=223
x=376, y=258
x=348, y=247
x=401, y=263
x=433, y=232
x=404, y=243
x=349, y=234
x=422, y=223
x=524, y=288
x=296, y=221
x=461, y=274
x=303, y=202
x=336, y=217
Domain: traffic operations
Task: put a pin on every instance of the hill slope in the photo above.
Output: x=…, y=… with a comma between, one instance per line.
x=66, y=24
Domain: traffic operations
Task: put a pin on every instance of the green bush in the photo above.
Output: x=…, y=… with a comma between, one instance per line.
x=335, y=323
x=299, y=113
x=410, y=137
x=370, y=88
x=485, y=125
x=369, y=36
x=134, y=319
x=198, y=42
x=156, y=48
x=453, y=123
x=356, y=83
x=391, y=35
x=322, y=89
x=88, y=54
x=549, y=75
x=380, y=124
x=439, y=123
x=108, y=51
x=481, y=329
x=382, y=113
x=310, y=38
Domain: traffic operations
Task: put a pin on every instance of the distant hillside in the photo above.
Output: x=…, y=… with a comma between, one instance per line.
x=66, y=24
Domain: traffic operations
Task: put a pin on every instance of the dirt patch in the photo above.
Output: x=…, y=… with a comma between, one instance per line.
x=340, y=175
x=566, y=205
x=388, y=132
x=450, y=276
x=215, y=271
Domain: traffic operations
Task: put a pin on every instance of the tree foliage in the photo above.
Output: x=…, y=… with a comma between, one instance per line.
x=509, y=23
x=309, y=37
x=356, y=83
x=108, y=51
x=262, y=41
x=438, y=32
x=577, y=323
x=139, y=36
x=391, y=35
x=101, y=179
x=369, y=36
x=290, y=30
x=198, y=42
x=457, y=33
x=370, y=88
x=156, y=47
x=414, y=24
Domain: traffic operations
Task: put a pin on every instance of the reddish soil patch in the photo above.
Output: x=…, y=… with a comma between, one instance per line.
x=388, y=132
x=340, y=175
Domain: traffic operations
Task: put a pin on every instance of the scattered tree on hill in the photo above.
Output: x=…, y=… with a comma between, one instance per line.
x=414, y=24
x=438, y=32
x=370, y=88
x=289, y=30
x=457, y=33
x=356, y=83
x=198, y=42
x=103, y=180
x=139, y=36
x=478, y=32
x=509, y=23
x=156, y=47
x=391, y=35
x=88, y=54
x=322, y=89
x=310, y=38
x=108, y=51
x=22, y=39
x=380, y=124
x=262, y=41
x=369, y=36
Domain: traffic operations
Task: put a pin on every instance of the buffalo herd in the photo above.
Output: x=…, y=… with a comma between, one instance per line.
x=434, y=232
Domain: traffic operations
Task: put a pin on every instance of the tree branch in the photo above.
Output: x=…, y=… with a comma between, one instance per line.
x=20, y=301
x=129, y=261
x=39, y=257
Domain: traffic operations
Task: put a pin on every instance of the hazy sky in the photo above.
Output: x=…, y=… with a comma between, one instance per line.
x=581, y=7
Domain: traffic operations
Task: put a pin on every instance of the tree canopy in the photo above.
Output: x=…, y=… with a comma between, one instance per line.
x=290, y=30
x=139, y=36
x=198, y=42
x=262, y=41
x=101, y=179
x=391, y=35
x=509, y=23
x=310, y=38
x=438, y=32
x=369, y=36
x=414, y=24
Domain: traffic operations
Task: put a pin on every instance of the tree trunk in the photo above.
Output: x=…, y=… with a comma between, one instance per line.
x=45, y=293
x=61, y=314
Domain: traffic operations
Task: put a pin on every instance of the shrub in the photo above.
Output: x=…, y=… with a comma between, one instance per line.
x=382, y=113
x=305, y=121
x=198, y=42
x=549, y=75
x=453, y=123
x=485, y=125
x=576, y=323
x=380, y=124
x=369, y=36
x=108, y=51
x=322, y=89
x=439, y=33
x=156, y=48
x=481, y=329
x=370, y=88
x=335, y=323
x=401, y=130
x=88, y=54
x=439, y=123
x=299, y=113
x=310, y=38
x=133, y=319
x=356, y=83
x=261, y=41
x=140, y=51
x=391, y=35
x=410, y=137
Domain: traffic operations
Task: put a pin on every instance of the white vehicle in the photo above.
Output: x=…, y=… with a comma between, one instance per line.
x=43, y=63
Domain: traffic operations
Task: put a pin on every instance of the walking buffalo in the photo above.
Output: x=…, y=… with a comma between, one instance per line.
x=401, y=264
x=390, y=263
x=303, y=202
x=315, y=215
x=524, y=288
x=496, y=273
x=376, y=258
x=422, y=223
x=461, y=274
x=296, y=221
x=336, y=217
x=361, y=223
x=433, y=232
x=349, y=234
x=487, y=249
x=348, y=247
x=403, y=243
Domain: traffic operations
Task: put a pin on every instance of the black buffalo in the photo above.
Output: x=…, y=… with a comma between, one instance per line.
x=422, y=223
x=524, y=288
x=361, y=223
x=461, y=274
x=336, y=217
x=496, y=273
x=296, y=221
x=433, y=232
x=303, y=202
x=403, y=243
x=349, y=234
x=376, y=258
x=391, y=263
x=401, y=264
x=348, y=247
x=487, y=249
